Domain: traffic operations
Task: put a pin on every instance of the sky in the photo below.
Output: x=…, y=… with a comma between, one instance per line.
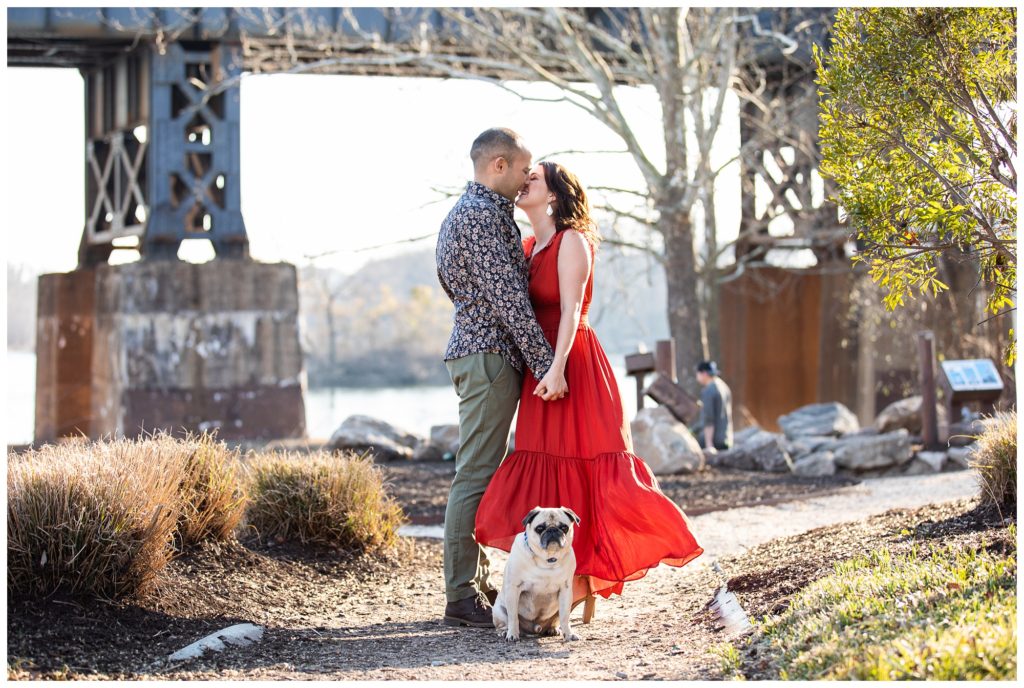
x=330, y=164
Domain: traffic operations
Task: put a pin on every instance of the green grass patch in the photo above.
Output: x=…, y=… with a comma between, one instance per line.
x=947, y=616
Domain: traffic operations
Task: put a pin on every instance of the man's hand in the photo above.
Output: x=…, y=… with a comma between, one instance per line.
x=552, y=386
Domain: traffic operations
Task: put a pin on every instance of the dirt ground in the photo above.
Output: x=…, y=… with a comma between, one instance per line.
x=422, y=488
x=333, y=616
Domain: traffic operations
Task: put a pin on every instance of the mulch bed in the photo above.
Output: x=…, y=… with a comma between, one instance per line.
x=332, y=614
x=421, y=487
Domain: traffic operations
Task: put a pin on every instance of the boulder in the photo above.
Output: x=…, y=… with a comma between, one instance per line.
x=809, y=444
x=870, y=453
x=383, y=440
x=768, y=452
x=427, y=452
x=445, y=438
x=906, y=414
x=819, y=419
x=664, y=443
x=934, y=459
x=734, y=459
x=816, y=464
x=959, y=458
x=741, y=436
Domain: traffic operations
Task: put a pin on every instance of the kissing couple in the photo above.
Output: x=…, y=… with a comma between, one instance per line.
x=521, y=338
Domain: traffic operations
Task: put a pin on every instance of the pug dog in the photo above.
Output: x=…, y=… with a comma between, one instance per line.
x=537, y=589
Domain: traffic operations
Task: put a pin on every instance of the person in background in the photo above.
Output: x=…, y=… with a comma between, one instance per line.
x=714, y=430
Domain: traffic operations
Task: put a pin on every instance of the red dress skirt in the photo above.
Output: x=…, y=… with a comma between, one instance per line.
x=577, y=452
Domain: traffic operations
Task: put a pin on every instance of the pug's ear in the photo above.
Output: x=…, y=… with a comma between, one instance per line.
x=571, y=514
x=530, y=516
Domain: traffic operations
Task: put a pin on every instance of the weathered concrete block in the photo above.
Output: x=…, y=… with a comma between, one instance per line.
x=171, y=345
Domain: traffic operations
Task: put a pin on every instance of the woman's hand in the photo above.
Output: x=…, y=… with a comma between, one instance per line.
x=552, y=386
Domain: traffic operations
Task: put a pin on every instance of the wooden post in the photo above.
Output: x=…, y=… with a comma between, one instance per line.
x=639, y=365
x=665, y=355
x=929, y=420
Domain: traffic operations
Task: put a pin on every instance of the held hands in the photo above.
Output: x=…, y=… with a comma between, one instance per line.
x=552, y=386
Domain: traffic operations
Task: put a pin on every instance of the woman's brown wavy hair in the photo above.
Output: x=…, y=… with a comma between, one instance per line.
x=571, y=208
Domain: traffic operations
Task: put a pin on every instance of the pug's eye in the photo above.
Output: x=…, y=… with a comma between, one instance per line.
x=564, y=528
x=539, y=529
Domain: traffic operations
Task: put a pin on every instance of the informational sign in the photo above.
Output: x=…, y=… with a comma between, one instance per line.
x=974, y=375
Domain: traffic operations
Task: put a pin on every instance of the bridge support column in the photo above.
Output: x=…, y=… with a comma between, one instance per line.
x=170, y=345
x=160, y=343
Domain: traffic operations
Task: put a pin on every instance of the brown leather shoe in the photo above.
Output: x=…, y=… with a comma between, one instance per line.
x=492, y=596
x=472, y=611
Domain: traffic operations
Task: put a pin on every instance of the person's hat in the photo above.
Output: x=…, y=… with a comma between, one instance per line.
x=708, y=367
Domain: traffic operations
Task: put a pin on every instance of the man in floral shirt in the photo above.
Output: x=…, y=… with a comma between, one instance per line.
x=496, y=338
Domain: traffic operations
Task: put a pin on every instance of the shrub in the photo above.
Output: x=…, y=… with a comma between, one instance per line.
x=995, y=458
x=213, y=499
x=336, y=500
x=86, y=518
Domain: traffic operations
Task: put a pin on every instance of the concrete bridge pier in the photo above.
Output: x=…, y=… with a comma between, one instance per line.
x=170, y=345
x=161, y=343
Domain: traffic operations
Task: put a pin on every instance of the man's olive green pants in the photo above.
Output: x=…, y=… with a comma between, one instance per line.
x=488, y=388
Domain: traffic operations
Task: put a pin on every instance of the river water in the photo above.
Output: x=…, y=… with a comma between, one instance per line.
x=412, y=408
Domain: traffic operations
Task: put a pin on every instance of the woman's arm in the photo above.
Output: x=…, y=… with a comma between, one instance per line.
x=573, y=269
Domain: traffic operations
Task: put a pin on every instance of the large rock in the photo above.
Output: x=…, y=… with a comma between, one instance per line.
x=768, y=452
x=759, y=451
x=819, y=419
x=664, y=443
x=741, y=436
x=383, y=440
x=809, y=444
x=959, y=458
x=871, y=453
x=734, y=459
x=906, y=414
x=935, y=460
x=816, y=464
x=426, y=451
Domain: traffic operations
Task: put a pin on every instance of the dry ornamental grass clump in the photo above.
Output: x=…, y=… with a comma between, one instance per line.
x=212, y=492
x=92, y=518
x=335, y=500
x=995, y=459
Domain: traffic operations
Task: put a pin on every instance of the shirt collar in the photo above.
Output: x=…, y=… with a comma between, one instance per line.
x=478, y=189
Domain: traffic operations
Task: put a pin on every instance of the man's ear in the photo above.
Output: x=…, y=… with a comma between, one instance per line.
x=499, y=164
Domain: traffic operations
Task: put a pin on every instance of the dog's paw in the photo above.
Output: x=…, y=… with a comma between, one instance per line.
x=511, y=637
x=571, y=637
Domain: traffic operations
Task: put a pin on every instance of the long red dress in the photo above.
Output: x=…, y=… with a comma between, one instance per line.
x=577, y=452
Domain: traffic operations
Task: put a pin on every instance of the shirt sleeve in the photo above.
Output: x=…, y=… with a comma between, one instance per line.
x=501, y=283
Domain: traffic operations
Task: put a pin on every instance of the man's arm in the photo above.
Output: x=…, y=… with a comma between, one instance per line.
x=502, y=285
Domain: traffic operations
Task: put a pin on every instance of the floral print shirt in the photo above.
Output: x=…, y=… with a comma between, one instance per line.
x=482, y=269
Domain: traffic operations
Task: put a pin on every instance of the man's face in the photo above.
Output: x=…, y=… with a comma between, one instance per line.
x=515, y=175
x=703, y=378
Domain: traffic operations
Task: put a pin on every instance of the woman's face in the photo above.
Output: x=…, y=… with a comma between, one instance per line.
x=535, y=191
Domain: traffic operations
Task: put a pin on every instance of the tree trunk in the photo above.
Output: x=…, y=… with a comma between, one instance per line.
x=684, y=321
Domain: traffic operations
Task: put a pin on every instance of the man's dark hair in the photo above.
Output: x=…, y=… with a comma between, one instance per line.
x=708, y=367
x=494, y=143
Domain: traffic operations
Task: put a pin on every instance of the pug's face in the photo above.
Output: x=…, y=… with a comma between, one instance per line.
x=549, y=531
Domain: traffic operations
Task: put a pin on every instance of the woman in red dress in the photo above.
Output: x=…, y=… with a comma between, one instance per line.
x=574, y=449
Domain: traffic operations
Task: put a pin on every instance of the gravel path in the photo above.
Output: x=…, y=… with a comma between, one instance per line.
x=731, y=532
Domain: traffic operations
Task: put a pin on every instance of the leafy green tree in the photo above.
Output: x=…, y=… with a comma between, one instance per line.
x=918, y=130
